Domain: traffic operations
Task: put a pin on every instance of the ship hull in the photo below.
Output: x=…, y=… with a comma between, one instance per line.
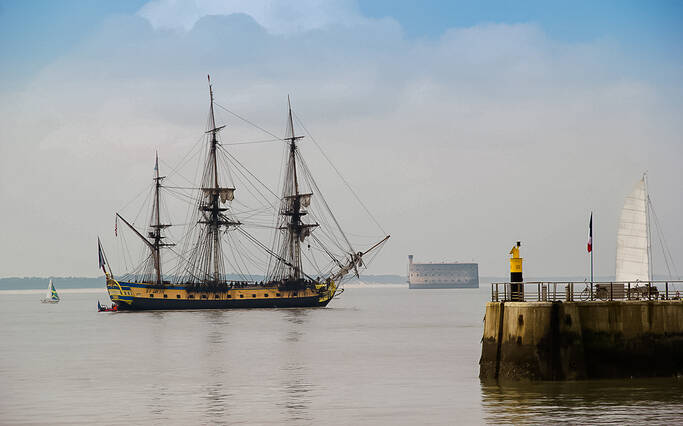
x=145, y=296
x=142, y=304
x=443, y=285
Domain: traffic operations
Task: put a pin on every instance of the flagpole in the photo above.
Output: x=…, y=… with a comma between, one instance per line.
x=592, y=250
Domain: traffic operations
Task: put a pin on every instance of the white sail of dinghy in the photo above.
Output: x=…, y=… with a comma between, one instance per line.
x=633, y=243
x=51, y=296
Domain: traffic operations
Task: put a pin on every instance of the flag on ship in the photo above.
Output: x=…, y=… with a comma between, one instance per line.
x=100, y=255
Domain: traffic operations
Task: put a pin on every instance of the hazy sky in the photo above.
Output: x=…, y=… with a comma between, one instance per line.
x=463, y=126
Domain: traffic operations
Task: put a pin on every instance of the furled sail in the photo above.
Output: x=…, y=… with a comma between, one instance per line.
x=225, y=194
x=632, y=237
x=306, y=200
x=306, y=231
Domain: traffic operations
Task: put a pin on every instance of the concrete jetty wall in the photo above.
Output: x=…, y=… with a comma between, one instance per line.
x=582, y=340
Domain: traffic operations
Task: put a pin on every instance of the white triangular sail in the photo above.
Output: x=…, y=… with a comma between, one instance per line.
x=48, y=295
x=632, y=237
x=51, y=296
x=51, y=292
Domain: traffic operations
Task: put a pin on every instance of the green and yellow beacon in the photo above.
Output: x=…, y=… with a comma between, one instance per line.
x=516, y=290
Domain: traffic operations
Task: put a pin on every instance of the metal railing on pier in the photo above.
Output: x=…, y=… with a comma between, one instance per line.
x=575, y=291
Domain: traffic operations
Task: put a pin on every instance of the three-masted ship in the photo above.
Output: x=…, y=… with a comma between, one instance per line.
x=201, y=279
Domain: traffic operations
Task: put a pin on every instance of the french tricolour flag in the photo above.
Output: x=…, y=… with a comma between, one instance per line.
x=590, y=234
x=100, y=255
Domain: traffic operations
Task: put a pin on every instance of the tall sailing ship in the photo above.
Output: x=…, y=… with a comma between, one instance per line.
x=201, y=279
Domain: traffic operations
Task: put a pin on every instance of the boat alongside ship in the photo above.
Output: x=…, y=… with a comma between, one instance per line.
x=200, y=278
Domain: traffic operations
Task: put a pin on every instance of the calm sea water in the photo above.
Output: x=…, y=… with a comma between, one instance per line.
x=377, y=355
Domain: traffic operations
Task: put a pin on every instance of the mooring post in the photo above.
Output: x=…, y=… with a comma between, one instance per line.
x=538, y=289
x=666, y=290
x=572, y=290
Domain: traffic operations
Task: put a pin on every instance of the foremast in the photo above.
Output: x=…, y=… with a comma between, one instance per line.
x=292, y=210
x=294, y=205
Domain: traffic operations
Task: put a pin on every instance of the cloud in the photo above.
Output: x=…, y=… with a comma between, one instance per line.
x=459, y=145
x=276, y=16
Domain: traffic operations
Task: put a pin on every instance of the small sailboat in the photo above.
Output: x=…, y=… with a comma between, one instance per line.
x=634, y=244
x=51, y=296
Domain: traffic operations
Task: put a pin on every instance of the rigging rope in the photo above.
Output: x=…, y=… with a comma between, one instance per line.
x=250, y=174
x=339, y=173
x=665, y=249
x=247, y=121
x=253, y=142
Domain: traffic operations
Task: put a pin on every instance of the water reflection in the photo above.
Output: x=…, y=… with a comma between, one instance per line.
x=218, y=327
x=295, y=381
x=216, y=402
x=215, y=396
x=613, y=401
x=158, y=406
x=296, y=318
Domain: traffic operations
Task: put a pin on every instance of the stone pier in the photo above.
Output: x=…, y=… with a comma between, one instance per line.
x=582, y=340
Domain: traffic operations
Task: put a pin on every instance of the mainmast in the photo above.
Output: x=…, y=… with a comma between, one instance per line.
x=157, y=225
x=214, y=197
x=211, y=212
